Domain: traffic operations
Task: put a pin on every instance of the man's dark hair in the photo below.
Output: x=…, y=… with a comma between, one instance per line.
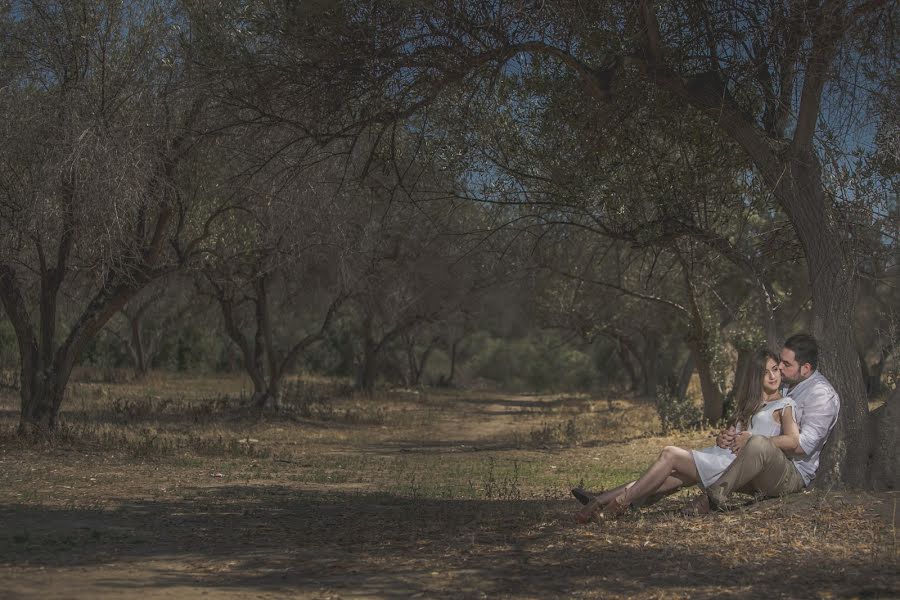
x=805, y=349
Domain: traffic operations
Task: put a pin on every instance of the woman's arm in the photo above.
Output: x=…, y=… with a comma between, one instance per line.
x=789, y=440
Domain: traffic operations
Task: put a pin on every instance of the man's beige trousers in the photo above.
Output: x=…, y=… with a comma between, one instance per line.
x=760, y=467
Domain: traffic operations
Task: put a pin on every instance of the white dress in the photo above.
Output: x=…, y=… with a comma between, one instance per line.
x=712, y=461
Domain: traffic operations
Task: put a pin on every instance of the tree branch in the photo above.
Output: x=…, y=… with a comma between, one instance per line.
x=294, y=352
x=647, y=297
x=14, y=304
x=824, y=46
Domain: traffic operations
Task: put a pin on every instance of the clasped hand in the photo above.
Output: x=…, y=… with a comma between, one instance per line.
x=731, y=440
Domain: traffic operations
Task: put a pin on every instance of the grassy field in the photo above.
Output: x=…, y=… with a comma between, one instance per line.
x=172, y=488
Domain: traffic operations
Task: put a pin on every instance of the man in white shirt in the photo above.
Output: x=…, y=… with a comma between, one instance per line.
x=774, y=466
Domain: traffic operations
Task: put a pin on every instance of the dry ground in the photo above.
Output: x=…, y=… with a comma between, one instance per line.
x=171, y=489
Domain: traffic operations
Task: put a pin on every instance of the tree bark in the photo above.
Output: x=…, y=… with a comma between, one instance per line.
x=872, y=375
x=649, y=367
x=630, y=359
x=454, y=349
x=628, y=363
x=699, y=342
x=709, y=388
x=368, y=369
x=417, y=364
x=372, y=348
x=883, y=471
x=250, y=354
x=745, y=355
x=136, y=346
x=687, y=371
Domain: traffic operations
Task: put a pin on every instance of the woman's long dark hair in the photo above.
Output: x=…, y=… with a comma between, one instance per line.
x=749, y=396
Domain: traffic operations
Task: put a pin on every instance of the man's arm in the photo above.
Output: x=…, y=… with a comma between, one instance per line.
x=819, y=415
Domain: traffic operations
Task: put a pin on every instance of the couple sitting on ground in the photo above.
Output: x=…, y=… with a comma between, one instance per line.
x=771, y=448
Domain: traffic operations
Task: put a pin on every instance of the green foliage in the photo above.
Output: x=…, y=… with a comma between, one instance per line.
x=193, y=347
x=539, y=361
x=107, y=352
x=676, y=412
x=335, y=355
x=198, y=348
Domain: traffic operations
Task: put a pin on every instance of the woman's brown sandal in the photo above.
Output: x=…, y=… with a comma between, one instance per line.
x=589, y=512
x=618, y=507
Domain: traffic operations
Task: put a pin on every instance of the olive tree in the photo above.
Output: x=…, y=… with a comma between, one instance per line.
x=102, y=116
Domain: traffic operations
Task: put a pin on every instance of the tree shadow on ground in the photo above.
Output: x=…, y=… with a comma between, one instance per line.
x=278, y=538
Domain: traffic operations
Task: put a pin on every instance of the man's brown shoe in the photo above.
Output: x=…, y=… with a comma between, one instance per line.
x=717, y=499
x=698, y=506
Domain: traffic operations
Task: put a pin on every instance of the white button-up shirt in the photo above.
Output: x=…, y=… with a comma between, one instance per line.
x=816, y=413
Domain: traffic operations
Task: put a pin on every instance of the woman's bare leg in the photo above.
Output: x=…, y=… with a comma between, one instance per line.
x=670, y=485
x=608, y=495
x=674, y=467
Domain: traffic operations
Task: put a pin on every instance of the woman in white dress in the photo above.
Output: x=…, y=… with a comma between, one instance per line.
x=759, y=410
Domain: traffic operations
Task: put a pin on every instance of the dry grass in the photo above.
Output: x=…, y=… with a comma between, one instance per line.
x=175, y=486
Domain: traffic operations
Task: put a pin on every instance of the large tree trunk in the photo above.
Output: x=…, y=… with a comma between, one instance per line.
x=260, y=395
x=45, y=373
x=43, y=389
x=267, y=396
x=265, y=389
x=849, y=455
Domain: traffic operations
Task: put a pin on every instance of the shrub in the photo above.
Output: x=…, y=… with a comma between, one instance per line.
x=676, y=411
